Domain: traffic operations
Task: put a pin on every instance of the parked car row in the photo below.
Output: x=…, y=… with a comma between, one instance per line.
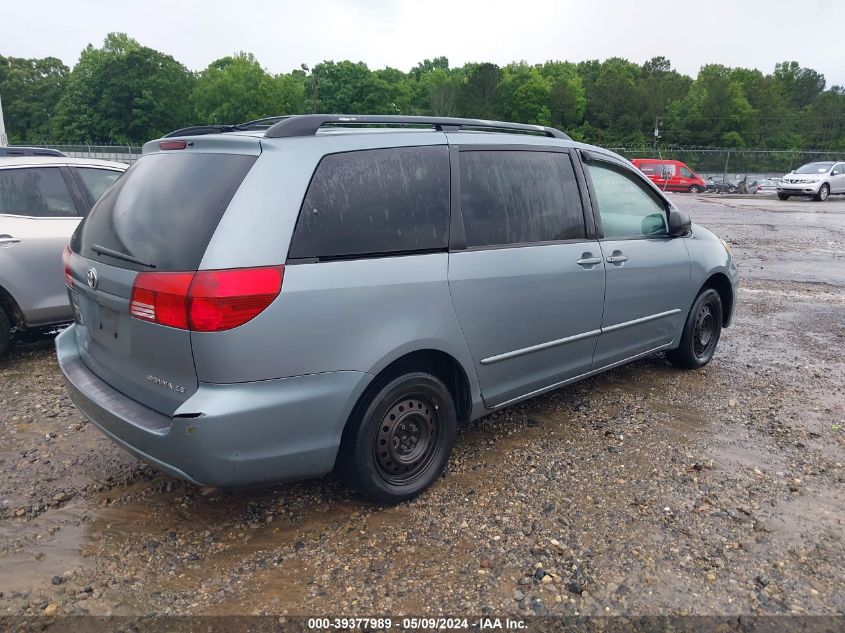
x=42, y=200
x=815, y=180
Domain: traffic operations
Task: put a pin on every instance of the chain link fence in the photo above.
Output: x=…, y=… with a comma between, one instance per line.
x=118, y=153
x=733, y=162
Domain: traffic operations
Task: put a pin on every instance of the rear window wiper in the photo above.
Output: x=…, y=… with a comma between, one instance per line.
x=102, y=250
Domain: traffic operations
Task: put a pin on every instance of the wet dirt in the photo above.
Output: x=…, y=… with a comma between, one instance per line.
x=646, y=490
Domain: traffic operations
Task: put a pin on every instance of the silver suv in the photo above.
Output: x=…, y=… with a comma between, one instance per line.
x=42, y=200
x=815, y=180
x=341, y=292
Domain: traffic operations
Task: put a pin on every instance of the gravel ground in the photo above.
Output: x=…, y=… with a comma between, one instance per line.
x=645, y=490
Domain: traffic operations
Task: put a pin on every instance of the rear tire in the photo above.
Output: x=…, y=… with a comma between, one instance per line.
x=783, y=196
x=701, y=332
x=695, y=189
x=824, y=192
x=400, y=439
x=5, y=333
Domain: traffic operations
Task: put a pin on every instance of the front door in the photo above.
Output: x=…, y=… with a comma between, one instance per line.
x=648, y=272
x=528, y=286
x=37, y=217
x=837, y=178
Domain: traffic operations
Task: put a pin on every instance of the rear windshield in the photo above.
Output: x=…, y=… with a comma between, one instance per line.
x=163, y=210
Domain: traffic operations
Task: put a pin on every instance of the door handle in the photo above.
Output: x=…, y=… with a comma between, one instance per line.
x=8, y=240
x=617, y=258
x=587, y=259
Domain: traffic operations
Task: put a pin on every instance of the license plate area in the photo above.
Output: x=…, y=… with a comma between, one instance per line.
x=106, y=326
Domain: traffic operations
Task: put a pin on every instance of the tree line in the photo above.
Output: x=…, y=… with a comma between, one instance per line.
x=127, y=93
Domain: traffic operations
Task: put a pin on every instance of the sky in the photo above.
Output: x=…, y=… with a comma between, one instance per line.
x=399, y=33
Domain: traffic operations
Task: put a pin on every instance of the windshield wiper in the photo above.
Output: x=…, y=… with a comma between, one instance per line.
x=102, y=250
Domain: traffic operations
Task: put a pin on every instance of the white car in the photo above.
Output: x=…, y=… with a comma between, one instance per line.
x=816, y=180
x=42, y=200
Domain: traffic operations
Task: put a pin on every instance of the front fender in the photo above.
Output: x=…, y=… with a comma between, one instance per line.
x=709, y=258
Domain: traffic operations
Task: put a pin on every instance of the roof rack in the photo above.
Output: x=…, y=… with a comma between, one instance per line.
x=309, y=124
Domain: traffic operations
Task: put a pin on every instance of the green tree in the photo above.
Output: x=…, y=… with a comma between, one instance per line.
x=524, y=95
x=800, y=85
x=123, y=93
x=568, y=99
x=716, y=111
x=237, y=89
x=351, y=88
x=480, y=92
x=31, y=89
x=616, y=105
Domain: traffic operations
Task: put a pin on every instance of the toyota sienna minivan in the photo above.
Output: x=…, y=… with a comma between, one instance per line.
x=339, y=293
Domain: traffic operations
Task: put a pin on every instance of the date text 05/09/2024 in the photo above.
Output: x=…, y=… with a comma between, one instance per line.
x=410, y=623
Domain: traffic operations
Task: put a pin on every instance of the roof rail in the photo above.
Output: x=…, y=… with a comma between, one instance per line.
x=262, y=124
x=309, y=124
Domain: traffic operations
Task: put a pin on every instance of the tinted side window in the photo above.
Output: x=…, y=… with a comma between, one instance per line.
x=96, y=181
x=686, y=173
x=514, y=197
x=626, y=206
x=373, y=202
x=35, y=191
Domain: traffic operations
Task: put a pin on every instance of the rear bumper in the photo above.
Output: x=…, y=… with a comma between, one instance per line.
x=232, y=435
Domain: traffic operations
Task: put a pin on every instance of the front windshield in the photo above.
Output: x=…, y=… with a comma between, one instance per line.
x=814, y=168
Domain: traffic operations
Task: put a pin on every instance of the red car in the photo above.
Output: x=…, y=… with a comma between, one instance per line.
x=670, y=175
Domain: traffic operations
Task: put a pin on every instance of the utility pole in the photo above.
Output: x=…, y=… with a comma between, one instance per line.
x=656, y=130
x=313, y=87
x=3, y=138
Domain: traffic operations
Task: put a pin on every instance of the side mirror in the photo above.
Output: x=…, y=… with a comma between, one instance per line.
x=679, y=223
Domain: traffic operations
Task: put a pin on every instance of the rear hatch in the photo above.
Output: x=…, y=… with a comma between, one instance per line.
x=157, y=218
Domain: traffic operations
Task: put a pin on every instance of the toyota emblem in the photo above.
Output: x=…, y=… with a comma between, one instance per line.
x=92, y=277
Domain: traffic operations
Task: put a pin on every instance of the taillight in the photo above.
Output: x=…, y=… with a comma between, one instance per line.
x=168, y=145
x=66, y=263
x=161, y=298
x=205, y=301
x=224, y=299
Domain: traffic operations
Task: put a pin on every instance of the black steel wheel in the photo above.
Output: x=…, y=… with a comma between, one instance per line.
x=701, y=332
x=399, y=439
x=783, y=196
x=406, y=439
x=704, y=332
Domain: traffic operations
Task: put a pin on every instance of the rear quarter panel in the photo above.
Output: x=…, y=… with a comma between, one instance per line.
x=350, y=315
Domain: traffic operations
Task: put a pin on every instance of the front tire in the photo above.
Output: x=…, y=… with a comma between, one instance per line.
x=783, y=196
x=701, y=332
x=400, y=439
x=824, y=192
x=695, y=189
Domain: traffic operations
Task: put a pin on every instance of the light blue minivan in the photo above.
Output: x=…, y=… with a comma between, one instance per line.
x=270, y=302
